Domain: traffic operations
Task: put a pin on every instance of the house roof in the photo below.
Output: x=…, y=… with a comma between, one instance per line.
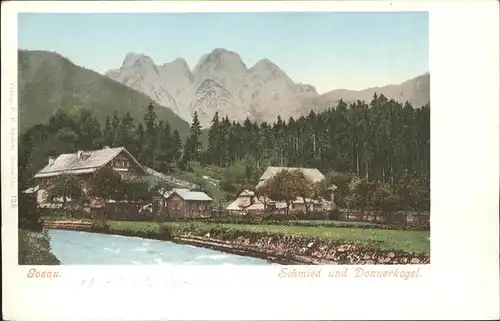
x=246, y=192
x=256, y=207
x=241, y=203
x=312, y=173
x=167, y=193
x=69, y=163
x=188, y=195
x=32, y=190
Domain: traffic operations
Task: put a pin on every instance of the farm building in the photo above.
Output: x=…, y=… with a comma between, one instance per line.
x=312, y=173
x=84, y=164
x=245, y=199
x=248, y=203
x=183, y=203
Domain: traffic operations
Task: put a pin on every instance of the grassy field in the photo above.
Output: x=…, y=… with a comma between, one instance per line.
x=394, y=240
x=384, y=239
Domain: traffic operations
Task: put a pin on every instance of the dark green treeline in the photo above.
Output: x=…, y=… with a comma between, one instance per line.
x=382, y=140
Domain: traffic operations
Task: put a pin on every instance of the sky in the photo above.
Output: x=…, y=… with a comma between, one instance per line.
x=329, y=50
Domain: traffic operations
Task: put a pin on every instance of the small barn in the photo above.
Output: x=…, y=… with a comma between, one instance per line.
x=244, y=200
x=183, y=203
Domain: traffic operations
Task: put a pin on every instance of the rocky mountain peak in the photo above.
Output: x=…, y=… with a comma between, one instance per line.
x=221, y=82
x=177, y=67
x=137, y=59
x=267, y=67
x=221, y=60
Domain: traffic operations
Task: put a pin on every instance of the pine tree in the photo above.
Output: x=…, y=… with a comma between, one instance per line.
x=151, y=134
x=215, y=141
x=126, y=131
x=192, y=148
x=108, y=135
x=176, y=146
x=115, y=126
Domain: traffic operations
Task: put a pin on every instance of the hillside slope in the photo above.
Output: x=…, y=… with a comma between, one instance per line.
x=48, y=81
x=416, y=91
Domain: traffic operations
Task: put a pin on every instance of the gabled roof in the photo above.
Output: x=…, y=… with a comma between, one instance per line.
x=246, y=192
x=69, y=163
x=32, y=190
x=167, y=193
x=188, y=195
x=312, y=173
x=241, y=203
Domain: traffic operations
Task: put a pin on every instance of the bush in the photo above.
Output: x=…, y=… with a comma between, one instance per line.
x=164, y=232
x=290, y=220
x=101, y=224
x=34, y=249
x=29, y=214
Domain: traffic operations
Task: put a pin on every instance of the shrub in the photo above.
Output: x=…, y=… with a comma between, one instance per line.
x=29, y=214
x=34, y=249
x=164, y=232
x=101, y=224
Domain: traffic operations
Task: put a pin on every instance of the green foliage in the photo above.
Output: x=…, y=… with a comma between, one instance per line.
x=238, y=177
x=138, y=190
x=263, y=194
x=29, y=214
x=101, y=224
x=305, y=187
x=65, y=187
x=34, y=248
x=380, y=140
x=106, y=184
x=311, y=219
x=414, y=192
x=360, y=193
x=379, y=143
x=203, y=186
x=192, y=147
x=283, y=188
x=384, y=199
x=341, y=182
x=383, y=239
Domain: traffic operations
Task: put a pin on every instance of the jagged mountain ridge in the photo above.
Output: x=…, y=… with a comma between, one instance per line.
x=221, y=82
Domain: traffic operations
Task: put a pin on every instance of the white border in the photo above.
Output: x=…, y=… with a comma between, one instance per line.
x=462, y=281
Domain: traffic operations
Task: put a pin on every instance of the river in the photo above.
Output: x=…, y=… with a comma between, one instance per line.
x=74, y=247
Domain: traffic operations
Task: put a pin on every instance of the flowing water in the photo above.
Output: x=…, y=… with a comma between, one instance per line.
x=75, y=247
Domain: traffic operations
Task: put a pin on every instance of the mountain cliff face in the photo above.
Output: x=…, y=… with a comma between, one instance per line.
x=221, y=82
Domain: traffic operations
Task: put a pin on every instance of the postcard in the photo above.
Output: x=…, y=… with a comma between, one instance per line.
x=249, y=160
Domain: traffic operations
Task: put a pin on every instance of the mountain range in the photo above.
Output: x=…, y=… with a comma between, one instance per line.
x=47, y=82
x=221, y=82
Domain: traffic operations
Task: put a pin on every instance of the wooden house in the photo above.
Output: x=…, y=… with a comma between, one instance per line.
x=248, y=203
x=183, y=203
x=83, y=164
x=312, y=173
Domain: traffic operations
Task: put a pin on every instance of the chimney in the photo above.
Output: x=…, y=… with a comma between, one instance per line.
x=80, y=155
x=51, y=160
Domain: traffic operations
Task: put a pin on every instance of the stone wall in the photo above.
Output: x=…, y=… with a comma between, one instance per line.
x=308, y=250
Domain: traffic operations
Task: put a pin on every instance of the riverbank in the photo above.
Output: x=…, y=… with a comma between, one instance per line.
x=34, y=248
x=285, y=244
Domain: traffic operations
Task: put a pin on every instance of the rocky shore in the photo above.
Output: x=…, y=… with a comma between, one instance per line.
x=279, y=249
x=302, y=250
